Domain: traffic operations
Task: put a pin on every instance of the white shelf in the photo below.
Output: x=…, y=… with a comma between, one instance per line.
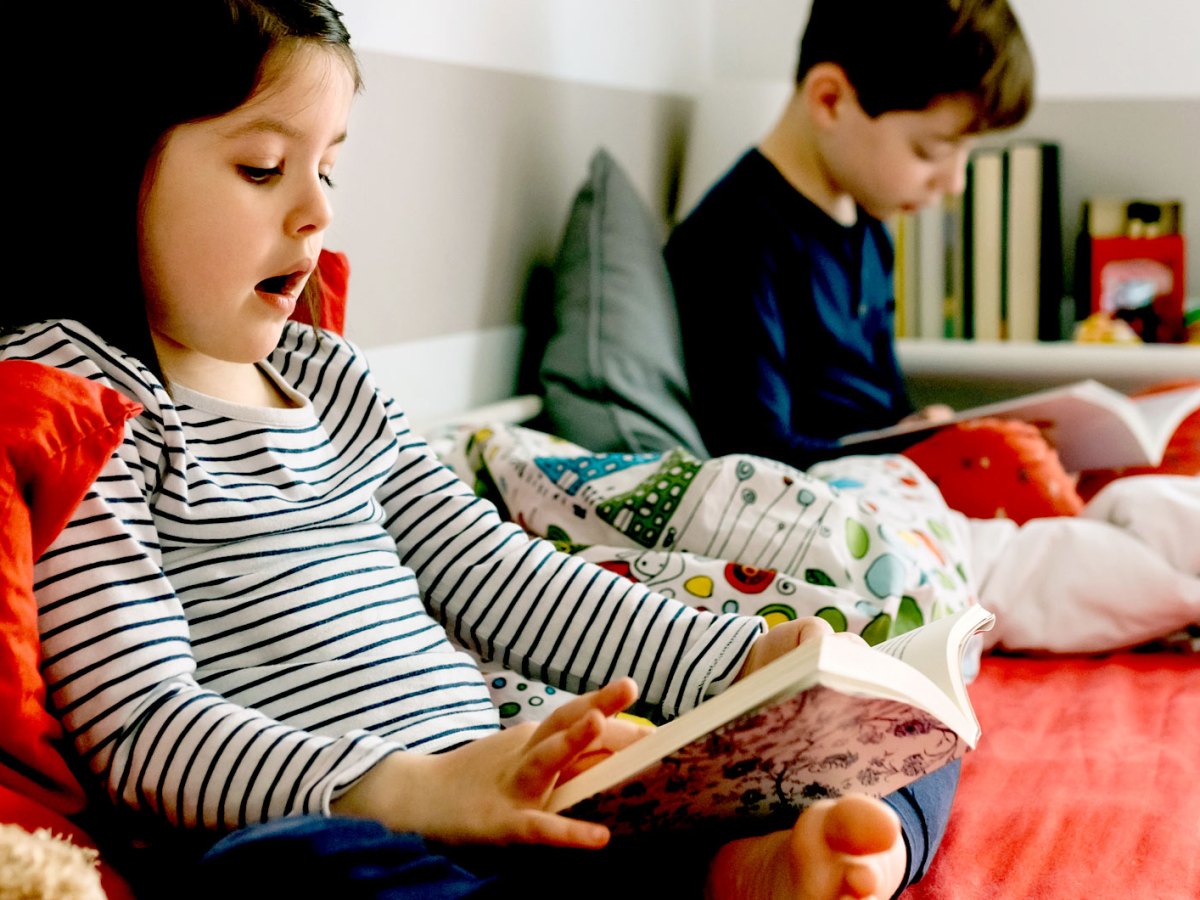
x=964, y=373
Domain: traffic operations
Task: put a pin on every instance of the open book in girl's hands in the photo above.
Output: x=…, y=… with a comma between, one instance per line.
x=828, y=718
x=1090, y=425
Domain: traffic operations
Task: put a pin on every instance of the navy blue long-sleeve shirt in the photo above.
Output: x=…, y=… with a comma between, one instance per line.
x=786, y=318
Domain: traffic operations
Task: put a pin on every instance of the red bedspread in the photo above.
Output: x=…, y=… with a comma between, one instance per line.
x=1086, y=783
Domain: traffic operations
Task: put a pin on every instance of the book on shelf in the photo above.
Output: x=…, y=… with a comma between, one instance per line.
x=1090, y=425
x=998, y=250
x=930, y=286
x=920, y=273
x=827, y=718
x=1033, y=260
x=904, y=275
x=953, y=261
x=983, y=244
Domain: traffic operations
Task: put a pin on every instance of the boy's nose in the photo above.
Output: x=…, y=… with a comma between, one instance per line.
x=953, y=178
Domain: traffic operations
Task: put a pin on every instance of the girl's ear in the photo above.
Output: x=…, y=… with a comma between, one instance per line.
x=826, y=90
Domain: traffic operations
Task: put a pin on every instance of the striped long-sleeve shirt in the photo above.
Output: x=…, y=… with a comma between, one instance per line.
x=242, y=617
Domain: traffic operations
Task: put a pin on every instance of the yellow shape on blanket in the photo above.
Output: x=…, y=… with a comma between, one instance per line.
x=699, y=586
x=637, y=720
x=777, y=614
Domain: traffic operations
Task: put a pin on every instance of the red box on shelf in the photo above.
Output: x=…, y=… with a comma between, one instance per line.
x=1141, y=280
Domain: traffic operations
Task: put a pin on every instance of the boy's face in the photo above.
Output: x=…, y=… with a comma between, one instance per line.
x=899, y=162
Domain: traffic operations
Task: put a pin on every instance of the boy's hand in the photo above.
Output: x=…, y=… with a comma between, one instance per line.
x=936, y=412
x=787, y=636
x=493, y=790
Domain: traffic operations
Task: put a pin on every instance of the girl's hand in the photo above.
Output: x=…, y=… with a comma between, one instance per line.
x=494, y=790
x=787, y=636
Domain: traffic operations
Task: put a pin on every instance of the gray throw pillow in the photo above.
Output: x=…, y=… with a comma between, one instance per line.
x=613, y=368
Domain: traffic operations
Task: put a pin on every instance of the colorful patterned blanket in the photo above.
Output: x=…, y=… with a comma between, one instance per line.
x=864, y=542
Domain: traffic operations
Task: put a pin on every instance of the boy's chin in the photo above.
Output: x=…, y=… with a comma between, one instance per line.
x=882, y=211
x=901, y=209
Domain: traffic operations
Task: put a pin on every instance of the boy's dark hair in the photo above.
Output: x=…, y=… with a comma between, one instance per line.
x=121, y=78
x=904, y=54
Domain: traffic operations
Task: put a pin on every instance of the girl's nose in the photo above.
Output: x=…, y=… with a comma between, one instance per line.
x=311, y=212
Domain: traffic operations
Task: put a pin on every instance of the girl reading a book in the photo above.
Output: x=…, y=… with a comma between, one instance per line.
x=243, y=622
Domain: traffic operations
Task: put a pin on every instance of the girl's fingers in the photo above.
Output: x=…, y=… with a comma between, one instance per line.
x=616, y=735
x=783, y=639
x=608, y=701
x=545, y=758
x=620, y=733
x=617, y=696
x=537, y=827
x=553, y=752
x=613, y=697
x=851, y=637
x=813, y=627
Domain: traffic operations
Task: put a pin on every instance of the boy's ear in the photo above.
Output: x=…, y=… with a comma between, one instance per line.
x=826, y=90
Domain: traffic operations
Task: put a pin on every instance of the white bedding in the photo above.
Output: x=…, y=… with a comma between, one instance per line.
x=1125, y=571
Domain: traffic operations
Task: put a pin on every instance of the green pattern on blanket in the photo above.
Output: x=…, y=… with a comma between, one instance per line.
x=642, y=513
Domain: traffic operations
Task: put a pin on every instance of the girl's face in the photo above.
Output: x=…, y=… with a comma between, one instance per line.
x=234, y=210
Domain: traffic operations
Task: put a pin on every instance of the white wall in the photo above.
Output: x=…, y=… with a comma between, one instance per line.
x=1112, y=49
x=1084, y=49
x=466, y=147
x=651, y=45
x=457, y=180
x=757, y=40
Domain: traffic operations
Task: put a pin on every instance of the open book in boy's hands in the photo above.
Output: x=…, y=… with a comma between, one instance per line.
x=828, y=718
x=1090, y=425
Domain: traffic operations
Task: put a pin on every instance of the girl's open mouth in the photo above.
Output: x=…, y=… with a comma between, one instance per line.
x=284, y=285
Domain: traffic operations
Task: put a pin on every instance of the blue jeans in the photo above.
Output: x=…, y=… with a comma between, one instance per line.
x=355, y=858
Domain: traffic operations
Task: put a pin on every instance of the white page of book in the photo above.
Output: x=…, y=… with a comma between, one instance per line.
x=1090, y=425
x=936, y=650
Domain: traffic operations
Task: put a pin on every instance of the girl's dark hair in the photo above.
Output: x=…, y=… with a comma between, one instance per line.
x=904, y=54
x=122, y=77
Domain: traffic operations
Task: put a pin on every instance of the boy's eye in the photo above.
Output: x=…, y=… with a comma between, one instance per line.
x=325, y=178
x=258, y=175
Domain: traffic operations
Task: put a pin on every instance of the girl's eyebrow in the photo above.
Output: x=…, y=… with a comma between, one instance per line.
x=275, y=126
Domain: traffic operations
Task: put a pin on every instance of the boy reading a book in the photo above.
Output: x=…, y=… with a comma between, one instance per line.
x=783, y=276
x=783, y=272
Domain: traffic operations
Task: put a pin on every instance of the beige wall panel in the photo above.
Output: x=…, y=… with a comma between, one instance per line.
x=457, y=181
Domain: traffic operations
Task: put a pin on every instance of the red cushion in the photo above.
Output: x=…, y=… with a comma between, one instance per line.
x=56, y=432
x=333, y=279
x=1182, y=456
x=990, y=468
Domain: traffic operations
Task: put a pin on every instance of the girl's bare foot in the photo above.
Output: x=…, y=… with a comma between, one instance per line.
x=849, y=847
